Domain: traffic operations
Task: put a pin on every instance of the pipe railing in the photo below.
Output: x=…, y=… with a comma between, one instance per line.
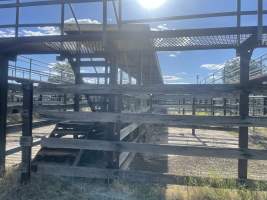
x=45, y=71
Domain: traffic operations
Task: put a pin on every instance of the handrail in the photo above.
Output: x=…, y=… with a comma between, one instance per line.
x=57, y=76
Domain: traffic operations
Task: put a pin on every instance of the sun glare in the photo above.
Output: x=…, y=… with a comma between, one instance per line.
x=151, y=4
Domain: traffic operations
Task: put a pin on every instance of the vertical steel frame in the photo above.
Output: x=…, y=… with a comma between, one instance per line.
x=3, y=110
x=245, y=56
x=26, y=139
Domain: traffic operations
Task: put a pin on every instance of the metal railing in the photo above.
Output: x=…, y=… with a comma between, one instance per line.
x=221, y=75
x=32, y=69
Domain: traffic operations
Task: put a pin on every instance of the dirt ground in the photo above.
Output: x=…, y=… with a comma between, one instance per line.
x=14, y=158
x=196, y=166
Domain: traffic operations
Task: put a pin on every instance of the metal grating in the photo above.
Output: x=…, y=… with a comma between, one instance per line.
x=74, y=47
x=198, y=42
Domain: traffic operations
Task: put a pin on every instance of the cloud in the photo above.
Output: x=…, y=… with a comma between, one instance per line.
x=41, y=31
x=7, y=33
x=160, y=27
x=174, y=54
x=46, y=30
x=82, y=21
x=182, y=73
x=171, y=79
x=49, y=30
x=212, y=66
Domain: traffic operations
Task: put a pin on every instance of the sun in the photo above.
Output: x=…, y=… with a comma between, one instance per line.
x=151, y=4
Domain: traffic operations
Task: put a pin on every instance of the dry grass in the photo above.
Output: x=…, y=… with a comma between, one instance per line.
x=58, y=188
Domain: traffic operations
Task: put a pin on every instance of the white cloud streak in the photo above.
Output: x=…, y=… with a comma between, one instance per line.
x=46, y=30
x=212, y=66
x=82, y=21
x=160, y=27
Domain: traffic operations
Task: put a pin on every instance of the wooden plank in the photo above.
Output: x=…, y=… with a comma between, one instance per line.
x=148, y=118
x=216, y=128
x=146, y=177
x=98, y=145
x=157, y=89
x=123, y=156
x=40, y=107
x=127, y=157
x=128, y=129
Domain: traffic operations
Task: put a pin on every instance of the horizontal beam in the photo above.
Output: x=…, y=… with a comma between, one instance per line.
x=45, y=3
x=190, y=89
x=186, y=17
x=259, y=80
x=27, y=45
x=118, y=35
x=29, y=25
x=100, y=145
x=93, y=63
x=169, y=120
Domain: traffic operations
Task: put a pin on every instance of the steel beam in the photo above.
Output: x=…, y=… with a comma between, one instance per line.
x=188, y=17
x=45, y=3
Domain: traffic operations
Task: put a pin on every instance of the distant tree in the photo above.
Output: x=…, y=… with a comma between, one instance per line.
x=61, y=71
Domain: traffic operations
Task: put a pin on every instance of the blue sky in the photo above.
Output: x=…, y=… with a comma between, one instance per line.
x=177, y=67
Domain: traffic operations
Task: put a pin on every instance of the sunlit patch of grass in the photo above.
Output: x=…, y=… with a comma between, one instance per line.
x=40, y=188
x=202, y=113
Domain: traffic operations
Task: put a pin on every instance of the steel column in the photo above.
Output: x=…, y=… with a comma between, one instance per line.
x=26, y=139
x=260, y=19
x=105, y=22
x=194, y=113
x=62, y=20
x=17, y=18
x=245, y=56
x=224, y=106
x=3, y=111
x=76, y=69
x=120, y=13
x=114, y=106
